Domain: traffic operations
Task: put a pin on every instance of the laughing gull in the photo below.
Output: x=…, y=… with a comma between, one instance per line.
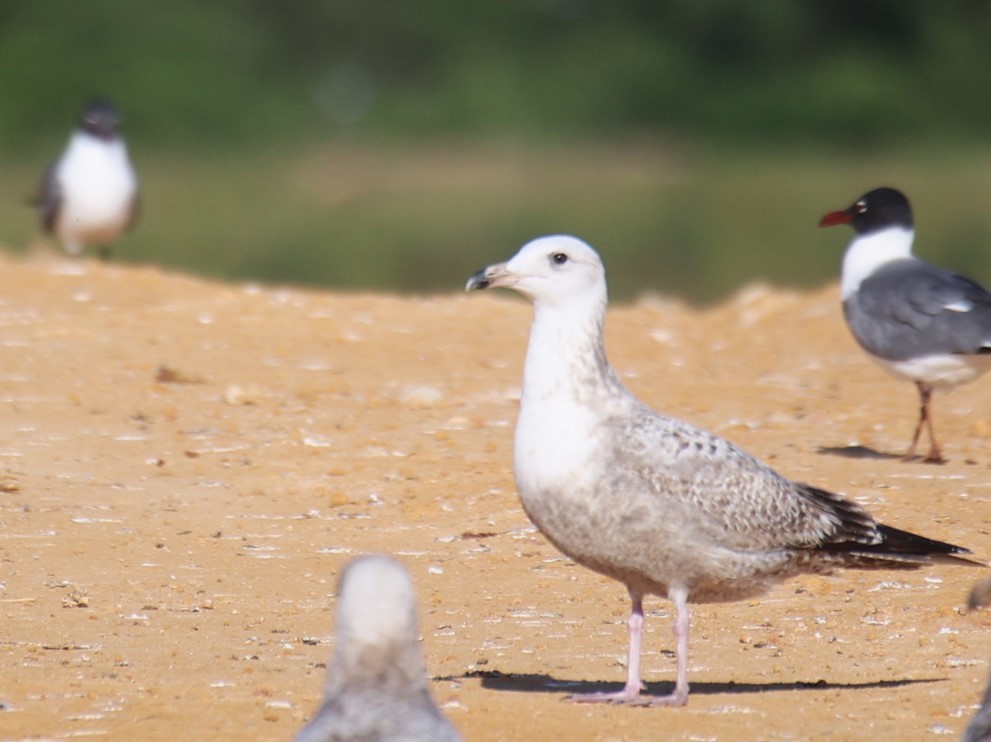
x=917, y=321
x=653, y=502
x=377, y=683
x=89, y=196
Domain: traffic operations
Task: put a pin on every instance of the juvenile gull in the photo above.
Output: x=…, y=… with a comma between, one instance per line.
x=376, y=685
x=663, y=507
x=917, y=321
x=89, y=196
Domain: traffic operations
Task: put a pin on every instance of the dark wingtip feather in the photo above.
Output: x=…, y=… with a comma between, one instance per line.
x=911, y=547
x=897, y=540
x=858, y=538
x=901, y=548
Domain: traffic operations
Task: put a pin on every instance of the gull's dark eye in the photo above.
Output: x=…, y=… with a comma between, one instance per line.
x=860, y=207
x=559, y=258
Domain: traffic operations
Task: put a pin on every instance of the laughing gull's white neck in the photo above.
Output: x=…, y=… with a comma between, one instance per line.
x=87, y=152
x=869, y=252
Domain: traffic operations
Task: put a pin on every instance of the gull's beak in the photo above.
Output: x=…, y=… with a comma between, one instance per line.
x=836, y=217
x=492, y=277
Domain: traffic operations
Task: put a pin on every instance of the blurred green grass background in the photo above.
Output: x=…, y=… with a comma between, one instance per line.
x=399, y=148
x=687, y=222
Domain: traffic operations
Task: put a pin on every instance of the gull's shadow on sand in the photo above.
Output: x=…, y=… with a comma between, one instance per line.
x=539, y=683
x=857, y=452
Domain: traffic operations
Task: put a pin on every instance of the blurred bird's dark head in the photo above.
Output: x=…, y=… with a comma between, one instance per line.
x=101, y=119
x=874, y=211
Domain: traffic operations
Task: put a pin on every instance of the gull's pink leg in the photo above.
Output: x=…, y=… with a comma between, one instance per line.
x=923, y=409
x=679, y=596
x=631, y=691
x=934, y=456
x=925, y=418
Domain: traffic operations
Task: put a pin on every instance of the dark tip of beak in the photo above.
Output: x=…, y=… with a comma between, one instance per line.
x=477, y=281
x=835, y=217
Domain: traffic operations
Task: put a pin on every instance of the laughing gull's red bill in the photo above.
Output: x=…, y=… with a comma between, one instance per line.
x=918, y=321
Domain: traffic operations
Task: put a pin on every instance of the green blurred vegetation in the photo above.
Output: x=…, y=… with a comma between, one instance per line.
x=693, y=223
x=402, y=145
x=229, y=72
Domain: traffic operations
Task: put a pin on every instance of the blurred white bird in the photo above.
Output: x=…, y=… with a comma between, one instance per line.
x=377, y=682
x=89, y=196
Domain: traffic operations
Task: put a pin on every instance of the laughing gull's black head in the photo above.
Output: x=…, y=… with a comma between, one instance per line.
x=101, y=119
x=874, y=211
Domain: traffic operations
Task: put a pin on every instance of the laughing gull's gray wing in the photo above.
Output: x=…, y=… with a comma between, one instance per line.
x=910, y=309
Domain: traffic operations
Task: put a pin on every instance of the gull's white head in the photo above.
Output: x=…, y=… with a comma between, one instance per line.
x=376, y=626
x=554, y=270
x=376, y=603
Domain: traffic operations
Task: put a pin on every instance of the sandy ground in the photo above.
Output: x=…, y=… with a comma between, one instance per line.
x=185, y=466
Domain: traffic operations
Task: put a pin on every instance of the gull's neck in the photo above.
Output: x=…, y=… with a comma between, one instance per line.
x=83, y=140
x=569, y=390
x=88, y=151
x=566, y=355
x=868, y=252
x=391, y=663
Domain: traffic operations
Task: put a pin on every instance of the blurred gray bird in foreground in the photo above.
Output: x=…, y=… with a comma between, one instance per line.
x=979, y=729
x=651, y=501
x=89, y=196
x=377, y=683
